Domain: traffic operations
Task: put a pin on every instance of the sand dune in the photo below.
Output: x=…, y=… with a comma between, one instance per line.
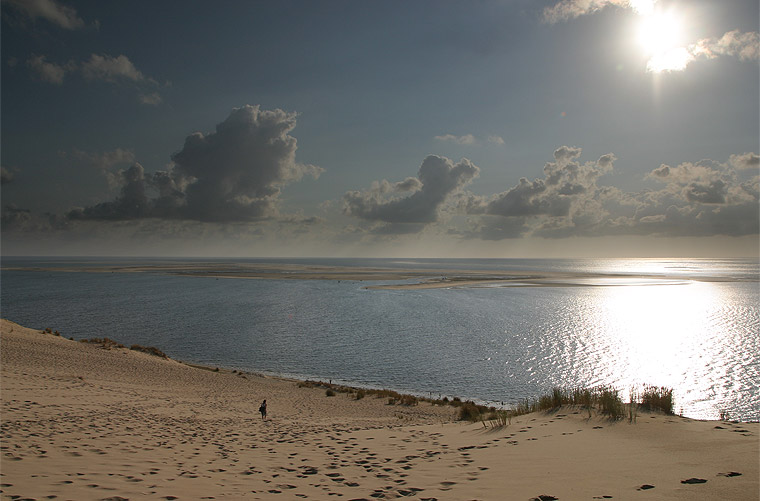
x=82, y=422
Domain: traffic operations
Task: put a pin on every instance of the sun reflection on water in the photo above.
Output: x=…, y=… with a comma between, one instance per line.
x=667, y=335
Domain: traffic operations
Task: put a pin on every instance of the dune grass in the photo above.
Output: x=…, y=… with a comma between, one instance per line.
x=657, y=399
x=604, y=400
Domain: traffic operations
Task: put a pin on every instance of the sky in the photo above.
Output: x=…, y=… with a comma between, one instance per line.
x=432, y=128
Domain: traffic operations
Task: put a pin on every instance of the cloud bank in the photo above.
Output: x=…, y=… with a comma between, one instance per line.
x=705, y=198
x=232, y=174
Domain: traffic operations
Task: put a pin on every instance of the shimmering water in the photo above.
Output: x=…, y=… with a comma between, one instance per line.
x=694, y=327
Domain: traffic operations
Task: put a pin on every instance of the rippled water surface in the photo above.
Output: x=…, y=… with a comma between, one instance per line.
x=695, y=330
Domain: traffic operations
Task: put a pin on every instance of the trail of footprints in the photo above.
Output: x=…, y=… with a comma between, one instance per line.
x=351, y=465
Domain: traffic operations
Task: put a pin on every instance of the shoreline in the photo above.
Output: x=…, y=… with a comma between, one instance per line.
x=83, y=422
x=341, y=385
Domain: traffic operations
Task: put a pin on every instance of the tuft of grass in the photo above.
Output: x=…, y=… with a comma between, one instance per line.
x=359, y=394
x=633, y=406
x=655, y=398
x=468, y=411
x=610, y=403
x=104, y=342
x=409, y=400
x=329, y=392
x=150, y=350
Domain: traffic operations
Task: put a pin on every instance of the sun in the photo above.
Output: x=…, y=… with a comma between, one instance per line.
x=659, y=32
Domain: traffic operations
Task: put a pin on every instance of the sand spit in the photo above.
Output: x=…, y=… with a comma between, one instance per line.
x=80, y=422
x=416, y=278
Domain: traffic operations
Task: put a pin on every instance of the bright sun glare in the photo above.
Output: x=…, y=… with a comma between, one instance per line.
x=659, y=32
x=661, y=36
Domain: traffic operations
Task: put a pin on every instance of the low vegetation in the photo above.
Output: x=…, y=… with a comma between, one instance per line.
x=110, y=344
x=657, y=399
x=604, y=400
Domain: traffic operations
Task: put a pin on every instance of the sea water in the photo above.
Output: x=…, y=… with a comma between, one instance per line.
x=690, y=325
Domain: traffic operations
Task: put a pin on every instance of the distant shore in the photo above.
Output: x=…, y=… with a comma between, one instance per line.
x=415, y=278
x=83, y=422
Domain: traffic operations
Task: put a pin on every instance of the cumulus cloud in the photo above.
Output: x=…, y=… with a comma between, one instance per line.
x=47, y=71
x=704, y=198
x=745, y=46
x=132, y=203
x=437, y=179
x=50, y=10
x=566, y=181
x=232, y=174
x=745, y=161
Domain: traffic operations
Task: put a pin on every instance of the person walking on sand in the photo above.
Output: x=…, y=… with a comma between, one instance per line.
x=263, y=410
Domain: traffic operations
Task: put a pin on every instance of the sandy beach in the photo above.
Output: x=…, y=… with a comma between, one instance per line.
x=81, y=422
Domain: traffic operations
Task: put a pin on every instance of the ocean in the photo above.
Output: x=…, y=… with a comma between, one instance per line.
x=688, y=324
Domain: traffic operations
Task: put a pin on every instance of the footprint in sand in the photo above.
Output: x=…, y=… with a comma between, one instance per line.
x=446, y=486
x=730, y=474
x=694, y=481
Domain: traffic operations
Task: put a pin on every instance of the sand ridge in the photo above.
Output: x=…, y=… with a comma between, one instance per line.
x=82, y=422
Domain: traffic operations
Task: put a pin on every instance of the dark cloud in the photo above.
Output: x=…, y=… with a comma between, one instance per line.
x=232, y=174
x=236, y=172
x=438, y=177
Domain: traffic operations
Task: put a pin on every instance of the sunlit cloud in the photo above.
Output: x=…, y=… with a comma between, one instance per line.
x=744, y=46
x=570, y=9
x=662, y=34
x=704, y=198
